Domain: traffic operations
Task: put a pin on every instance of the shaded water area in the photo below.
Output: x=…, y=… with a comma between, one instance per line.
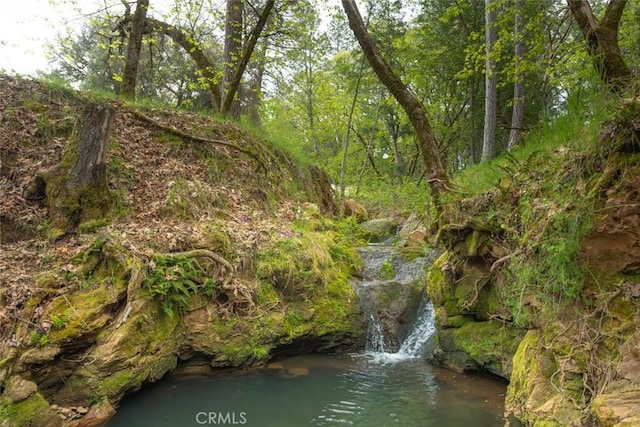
x=319, y=390
x=386, y=385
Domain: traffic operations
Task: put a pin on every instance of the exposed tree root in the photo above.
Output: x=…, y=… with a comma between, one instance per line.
x=589, y=336
x=237, y=300
x=193, y=138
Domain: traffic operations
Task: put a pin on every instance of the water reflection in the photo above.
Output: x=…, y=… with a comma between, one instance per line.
x=320, y=391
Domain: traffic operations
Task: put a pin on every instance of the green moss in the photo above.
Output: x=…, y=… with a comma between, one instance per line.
x=82, y=312
x=386, y=271
x=92, y=225
x=292, y=321
x=490, y=344
x=261, y=353
x=437, y=286
x=456, y=321
x=441, y=291
x=149, y=332
x=266, y=295
x=33, y=411
x=334, y=315
x=524, y=368
x=119, y=382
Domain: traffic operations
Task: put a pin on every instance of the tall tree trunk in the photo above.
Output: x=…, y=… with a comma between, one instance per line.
x=309, y=86
x=241, y=65
x=254, y=98
x=517, y=115
x=128, y=87
x=437, y=177
x=77, y=188
x=368, y=144
x=491, y=87
x=345, y=144
x=475, y=133
x=601, y=38
x=393, y=129
x=232, y=48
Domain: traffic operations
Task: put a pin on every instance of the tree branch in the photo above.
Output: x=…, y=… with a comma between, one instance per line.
x=192, y=47
x=613, y=13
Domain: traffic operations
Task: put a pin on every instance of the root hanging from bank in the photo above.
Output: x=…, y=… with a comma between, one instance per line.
x=588, y=337
x=231, y=294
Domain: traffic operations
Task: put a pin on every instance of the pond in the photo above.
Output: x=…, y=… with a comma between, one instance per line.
x=375, y=388
x=320, y=390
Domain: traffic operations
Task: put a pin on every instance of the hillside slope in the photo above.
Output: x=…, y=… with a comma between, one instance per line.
x=215, y=252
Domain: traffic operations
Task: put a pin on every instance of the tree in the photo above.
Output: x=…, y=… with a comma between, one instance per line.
x=437, y=177
x=601, y=37
x=233, y=84
x=517, y=116
x=128, y=87
x=232, y=48
x=205, y=65
x=77, y=189
x=491, y=83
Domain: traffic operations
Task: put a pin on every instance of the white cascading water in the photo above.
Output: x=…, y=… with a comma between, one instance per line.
x=424, y=328
x=405, y=272
x=413, y=345
x=375, y=335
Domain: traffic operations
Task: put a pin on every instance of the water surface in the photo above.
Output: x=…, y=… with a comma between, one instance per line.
x=374, y=389
x=317, y=390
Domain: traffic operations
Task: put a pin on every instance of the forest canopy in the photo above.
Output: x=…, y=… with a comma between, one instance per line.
x=484, y=72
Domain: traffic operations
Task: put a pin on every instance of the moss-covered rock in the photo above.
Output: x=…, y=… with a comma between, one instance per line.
x=466, y=304
x=32, y=412
x=534, y=396
x=479, y=346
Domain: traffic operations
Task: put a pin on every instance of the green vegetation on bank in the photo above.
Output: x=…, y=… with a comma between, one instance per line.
x=541, y=201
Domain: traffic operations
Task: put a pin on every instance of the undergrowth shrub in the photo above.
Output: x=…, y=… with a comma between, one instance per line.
x=173, y=280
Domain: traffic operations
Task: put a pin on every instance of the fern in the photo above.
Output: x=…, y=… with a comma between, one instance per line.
x=176, y=279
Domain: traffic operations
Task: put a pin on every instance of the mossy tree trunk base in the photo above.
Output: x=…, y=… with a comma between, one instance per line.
x=77, y=189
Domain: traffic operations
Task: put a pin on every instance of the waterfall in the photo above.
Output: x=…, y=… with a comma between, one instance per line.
x=375, y=335
x=413, y=346
x=423, y=329
x=384, y=343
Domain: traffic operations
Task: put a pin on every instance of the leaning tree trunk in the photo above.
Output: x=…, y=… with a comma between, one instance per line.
x=601, y=37
x=232, y=49
x=233, y=85
x=77, y=190
x=208, y=69
x=437, y=176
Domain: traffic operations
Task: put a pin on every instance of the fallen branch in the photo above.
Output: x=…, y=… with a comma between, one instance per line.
x=193, y=138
